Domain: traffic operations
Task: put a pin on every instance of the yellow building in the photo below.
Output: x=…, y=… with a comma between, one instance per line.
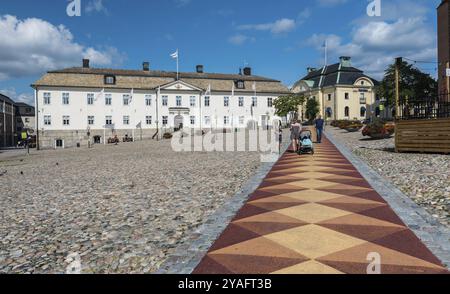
x=343, y=91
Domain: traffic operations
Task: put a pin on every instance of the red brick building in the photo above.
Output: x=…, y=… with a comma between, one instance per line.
x=443, y=44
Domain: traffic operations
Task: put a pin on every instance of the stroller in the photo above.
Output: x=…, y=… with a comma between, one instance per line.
x=306, y=144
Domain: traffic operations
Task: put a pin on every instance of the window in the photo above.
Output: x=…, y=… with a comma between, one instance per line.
x=363, y=112
x=329, y=97
x=108, y=99
x=148, y=120
x=165, y=120
x=47, y=98
x=90, y=99
x=207, y=120
x=126, y=120
x=226, y=120
x=148, y=100
x=207, y=101
x=226, y=101
x=165, y=100
x=270, y=102
x=65, y=98
x=347, y=96
x=47, y=120
x=240, y=84
x=108, y=121
x=193, y=101
x=110, y=80
x=66, y=120
x=90, y=120
x=241, y=120
x=179, y=101
x=126, y=99
x=362, y=98
x=241, y=101
x=192, y=120
x=255, y=101
x=347, y=111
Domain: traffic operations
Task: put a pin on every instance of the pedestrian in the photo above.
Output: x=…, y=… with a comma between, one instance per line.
x=319, y=123
x=296, y=129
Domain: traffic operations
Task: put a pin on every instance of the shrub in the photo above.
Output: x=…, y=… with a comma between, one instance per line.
x=379, y=129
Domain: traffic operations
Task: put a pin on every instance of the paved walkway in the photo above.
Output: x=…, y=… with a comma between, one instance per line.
x=316, y=215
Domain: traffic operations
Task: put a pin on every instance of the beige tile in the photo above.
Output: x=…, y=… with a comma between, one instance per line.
x=314, y=241
x=313, y=213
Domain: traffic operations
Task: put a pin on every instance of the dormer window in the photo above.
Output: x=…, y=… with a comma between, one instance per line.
x=240, y=84
x=110, y=80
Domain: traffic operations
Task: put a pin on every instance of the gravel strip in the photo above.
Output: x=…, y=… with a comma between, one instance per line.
x=425, y=178
x=123, y=209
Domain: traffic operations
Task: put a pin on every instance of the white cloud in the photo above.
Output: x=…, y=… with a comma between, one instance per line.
x=96, y=6
x=376, y=44
x=18, y=97
x=240, y=39
x=182, y=3
x=33, y=46
x=280, y=26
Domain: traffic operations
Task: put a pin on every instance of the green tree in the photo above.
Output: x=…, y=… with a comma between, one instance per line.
x=288, y=104
x=312, y=109
x=413, y=83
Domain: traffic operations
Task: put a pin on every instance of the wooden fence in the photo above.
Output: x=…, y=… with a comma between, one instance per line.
x=425, y=136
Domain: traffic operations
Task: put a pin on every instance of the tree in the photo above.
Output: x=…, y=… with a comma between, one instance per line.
x=413, y=84
x=285, y=105
x=312, y=109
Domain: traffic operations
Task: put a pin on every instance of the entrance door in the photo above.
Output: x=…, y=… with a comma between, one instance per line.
x=178, y=122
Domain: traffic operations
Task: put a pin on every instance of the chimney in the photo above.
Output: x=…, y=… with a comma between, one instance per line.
x=247, y=71
x=146, y=66
x=199, y=68
x=345, y=61
x=311, y=69
x=85, y=63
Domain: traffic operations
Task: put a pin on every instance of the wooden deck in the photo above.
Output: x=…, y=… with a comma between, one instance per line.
x=425, y=136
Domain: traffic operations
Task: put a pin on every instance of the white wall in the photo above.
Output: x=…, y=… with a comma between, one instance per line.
x=79, y=110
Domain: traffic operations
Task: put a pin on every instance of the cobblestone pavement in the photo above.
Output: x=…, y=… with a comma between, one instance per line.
x=425, y=178
x=123, y=209
x=317, y=215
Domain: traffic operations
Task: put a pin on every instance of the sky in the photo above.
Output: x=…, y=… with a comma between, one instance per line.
x=278, y=39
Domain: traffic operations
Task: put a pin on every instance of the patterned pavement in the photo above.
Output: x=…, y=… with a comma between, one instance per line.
x=317, y=215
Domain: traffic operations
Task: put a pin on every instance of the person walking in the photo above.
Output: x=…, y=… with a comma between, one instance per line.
x=319, y=124
x=296, y=129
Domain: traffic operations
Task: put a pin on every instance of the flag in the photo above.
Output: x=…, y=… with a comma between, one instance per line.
x=174, y=55
x=101, y=94
x=131, y=95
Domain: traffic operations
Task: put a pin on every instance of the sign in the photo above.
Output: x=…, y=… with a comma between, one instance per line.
x=447, y=72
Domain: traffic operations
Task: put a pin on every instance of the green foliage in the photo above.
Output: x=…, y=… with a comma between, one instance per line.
x=288, y=104
x=413, y=83
x=312, y=109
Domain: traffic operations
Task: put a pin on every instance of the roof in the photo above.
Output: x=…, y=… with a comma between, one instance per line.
x=139, y=79
x=6, y=98
x=334, y=74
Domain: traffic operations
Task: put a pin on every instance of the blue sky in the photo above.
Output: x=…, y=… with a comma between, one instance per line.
x=278, y=39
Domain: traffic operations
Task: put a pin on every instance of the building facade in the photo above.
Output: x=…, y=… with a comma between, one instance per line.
x=78, y=105
x=7, y=122
x=342, y=91
x=25, y=118
x=443, y=45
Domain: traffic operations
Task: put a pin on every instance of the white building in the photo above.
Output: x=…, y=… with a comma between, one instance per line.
x=76, y=102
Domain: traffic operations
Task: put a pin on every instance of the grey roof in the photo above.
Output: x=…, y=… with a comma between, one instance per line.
x=139, y=79
x=6, y=98
x=335, y=74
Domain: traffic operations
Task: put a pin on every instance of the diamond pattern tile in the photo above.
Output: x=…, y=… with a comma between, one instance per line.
x=317, y=215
